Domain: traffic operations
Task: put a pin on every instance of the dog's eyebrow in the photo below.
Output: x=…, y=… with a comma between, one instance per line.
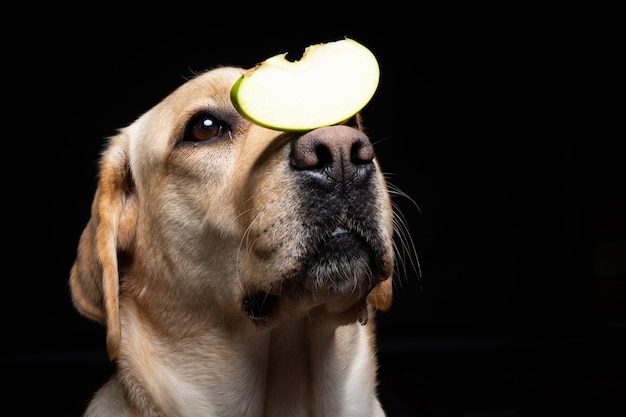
x=221, y=109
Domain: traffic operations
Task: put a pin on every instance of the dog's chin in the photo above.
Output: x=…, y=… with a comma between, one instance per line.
x=269, y=310
x=335, y=280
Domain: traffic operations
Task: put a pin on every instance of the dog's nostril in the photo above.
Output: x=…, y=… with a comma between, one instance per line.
x=362, y=152
x=323, y=156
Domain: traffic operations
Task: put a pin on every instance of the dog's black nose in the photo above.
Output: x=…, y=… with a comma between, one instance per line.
x=336, y=154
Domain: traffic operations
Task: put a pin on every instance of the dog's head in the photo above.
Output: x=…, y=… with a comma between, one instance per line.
x=199, y=212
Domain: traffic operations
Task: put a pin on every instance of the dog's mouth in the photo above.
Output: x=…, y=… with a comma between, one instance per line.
x=340, y=263
x=258, y=306
x=340, y=270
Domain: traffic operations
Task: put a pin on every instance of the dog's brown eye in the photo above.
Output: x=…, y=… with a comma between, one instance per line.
x=205, y=128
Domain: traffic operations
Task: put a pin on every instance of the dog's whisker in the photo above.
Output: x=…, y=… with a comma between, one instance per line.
x=395, y=191
x=242, y=244
x=242, y=213
x=381, y=140
x=404, y=245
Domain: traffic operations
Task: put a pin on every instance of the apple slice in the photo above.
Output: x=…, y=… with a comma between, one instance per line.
x=328, y=85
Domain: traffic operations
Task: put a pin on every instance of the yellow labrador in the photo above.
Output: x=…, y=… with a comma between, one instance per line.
x=236, y=268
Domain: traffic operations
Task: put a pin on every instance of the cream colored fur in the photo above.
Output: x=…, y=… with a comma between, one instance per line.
x=184, y=236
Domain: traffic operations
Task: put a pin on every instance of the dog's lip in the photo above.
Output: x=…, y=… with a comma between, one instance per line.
x=346, y=244
x=344, y=234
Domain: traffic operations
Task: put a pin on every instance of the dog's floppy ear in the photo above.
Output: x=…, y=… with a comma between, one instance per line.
x=94, y=277
x=381, y=295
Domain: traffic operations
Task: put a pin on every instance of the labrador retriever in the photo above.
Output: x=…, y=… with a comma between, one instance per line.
x=236, y=269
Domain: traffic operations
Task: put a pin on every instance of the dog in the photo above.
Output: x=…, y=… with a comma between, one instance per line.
x=237, y=269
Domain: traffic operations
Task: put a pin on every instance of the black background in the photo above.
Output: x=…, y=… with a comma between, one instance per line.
x=489, y=126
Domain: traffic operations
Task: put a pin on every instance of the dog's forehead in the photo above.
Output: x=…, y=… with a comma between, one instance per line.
x=214, y=84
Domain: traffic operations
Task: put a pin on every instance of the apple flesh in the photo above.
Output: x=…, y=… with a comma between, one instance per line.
x=330, y=83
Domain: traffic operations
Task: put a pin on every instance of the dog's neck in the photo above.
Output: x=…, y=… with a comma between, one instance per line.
x=296, y=368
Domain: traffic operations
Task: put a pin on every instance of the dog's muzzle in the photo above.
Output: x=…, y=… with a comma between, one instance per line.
x=339, y=256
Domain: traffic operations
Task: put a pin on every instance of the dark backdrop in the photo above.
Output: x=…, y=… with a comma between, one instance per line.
x=490, y=128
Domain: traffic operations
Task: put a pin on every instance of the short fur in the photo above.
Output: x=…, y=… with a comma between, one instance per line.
x=236, y=268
